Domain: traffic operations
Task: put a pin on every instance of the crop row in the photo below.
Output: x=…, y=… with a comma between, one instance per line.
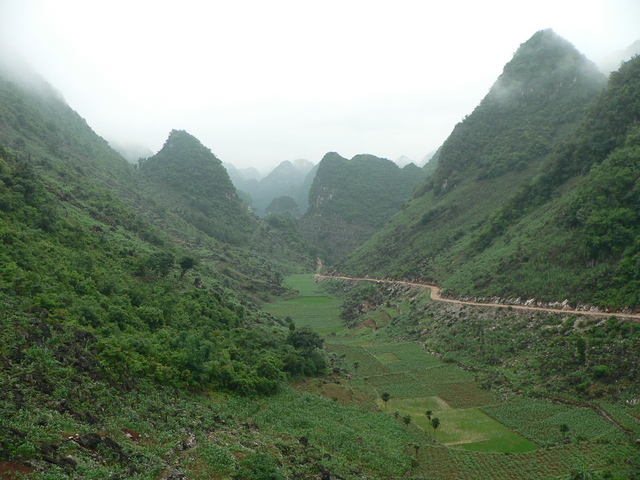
x=548, y=423
x=359, y=360
x=543, y=464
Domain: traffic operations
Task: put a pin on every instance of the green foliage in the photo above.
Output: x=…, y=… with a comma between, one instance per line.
x=258, y=466
x=566, y=229
x=351, y=199
x=77, y=270
x=192, y=181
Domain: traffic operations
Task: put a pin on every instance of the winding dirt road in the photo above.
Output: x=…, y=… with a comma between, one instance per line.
x=435, y=295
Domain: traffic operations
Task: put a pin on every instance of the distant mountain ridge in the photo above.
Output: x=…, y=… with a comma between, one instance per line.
x=286, y=180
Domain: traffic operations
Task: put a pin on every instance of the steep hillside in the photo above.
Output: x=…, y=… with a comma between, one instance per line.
x=97, y=303
x=352, y=199
x=186, y=178
x=35, y=121
x=492, y=155
x=188, y=193
x=569, y=231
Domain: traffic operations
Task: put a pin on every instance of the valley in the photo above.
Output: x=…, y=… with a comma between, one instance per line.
x=504, y=432
x=159, y=323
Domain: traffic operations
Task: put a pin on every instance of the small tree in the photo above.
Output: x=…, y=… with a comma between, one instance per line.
x=385, y=398
x=435, y=423
x=428, y=414
x=407, y=420
x=356, y=366
x=186, y=263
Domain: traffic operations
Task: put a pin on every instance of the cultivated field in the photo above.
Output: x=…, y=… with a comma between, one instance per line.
x=480, y=436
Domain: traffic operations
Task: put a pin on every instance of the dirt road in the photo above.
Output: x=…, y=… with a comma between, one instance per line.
x=435, y=295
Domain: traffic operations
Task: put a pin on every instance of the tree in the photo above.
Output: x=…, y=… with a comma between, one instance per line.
x=186, y=263
x=428, y=414
x=356, y=366
x=407, y=420
x=435, y=423
x=305, y=339
x=385, y=398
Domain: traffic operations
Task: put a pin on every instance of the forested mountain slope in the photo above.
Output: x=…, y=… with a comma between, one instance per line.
x=495, y=217
x=35, y=120
x=78, y=253
x=97, y=300
x=350, y=200
x=185, y=177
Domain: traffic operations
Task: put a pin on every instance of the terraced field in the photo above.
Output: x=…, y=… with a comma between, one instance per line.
x=480, y=436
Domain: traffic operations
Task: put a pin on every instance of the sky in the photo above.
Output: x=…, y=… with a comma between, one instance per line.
x=262, y=82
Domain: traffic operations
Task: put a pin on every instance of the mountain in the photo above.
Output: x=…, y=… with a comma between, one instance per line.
x=35, y=119
x=351, y=199
x=108, y=296
x=132, y=344
x=286, y=179
x=185, y=177
x=403, y=161
x=283, y=205
x=507, y=148
x=241, y=174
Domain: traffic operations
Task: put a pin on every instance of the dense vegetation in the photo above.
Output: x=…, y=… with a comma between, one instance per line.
x=190, y=180
x=133, y=343
x=129, y=288
x=96, y=300
x=555, y=221
x=349, y=200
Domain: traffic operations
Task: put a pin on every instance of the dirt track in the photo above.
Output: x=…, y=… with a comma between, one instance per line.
x=435, y=295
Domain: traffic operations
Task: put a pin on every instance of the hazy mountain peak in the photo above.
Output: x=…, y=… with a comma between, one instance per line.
x=403, y=160
x=542, y=65
x=303, y=165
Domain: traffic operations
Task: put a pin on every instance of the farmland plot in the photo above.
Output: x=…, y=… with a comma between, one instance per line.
x=540, y=421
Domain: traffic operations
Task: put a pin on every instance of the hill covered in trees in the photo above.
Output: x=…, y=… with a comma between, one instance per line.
x=350, y=200
x=97, y=298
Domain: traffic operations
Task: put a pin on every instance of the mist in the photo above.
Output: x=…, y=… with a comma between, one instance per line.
x=259, y=84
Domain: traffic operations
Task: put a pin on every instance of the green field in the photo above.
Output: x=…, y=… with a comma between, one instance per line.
x=314, y=307
x=540, y=420
x=476, y=428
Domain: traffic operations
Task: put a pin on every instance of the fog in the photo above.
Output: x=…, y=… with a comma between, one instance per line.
x=263, y=82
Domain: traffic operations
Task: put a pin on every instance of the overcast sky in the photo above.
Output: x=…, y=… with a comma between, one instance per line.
x=259, y=82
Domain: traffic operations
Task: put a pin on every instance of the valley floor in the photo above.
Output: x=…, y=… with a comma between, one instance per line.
x=481, y=434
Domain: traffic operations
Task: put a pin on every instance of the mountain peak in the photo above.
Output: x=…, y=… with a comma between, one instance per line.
x=542, y=65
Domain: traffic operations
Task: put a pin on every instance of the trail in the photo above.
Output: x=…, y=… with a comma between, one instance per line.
x=435, y=295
